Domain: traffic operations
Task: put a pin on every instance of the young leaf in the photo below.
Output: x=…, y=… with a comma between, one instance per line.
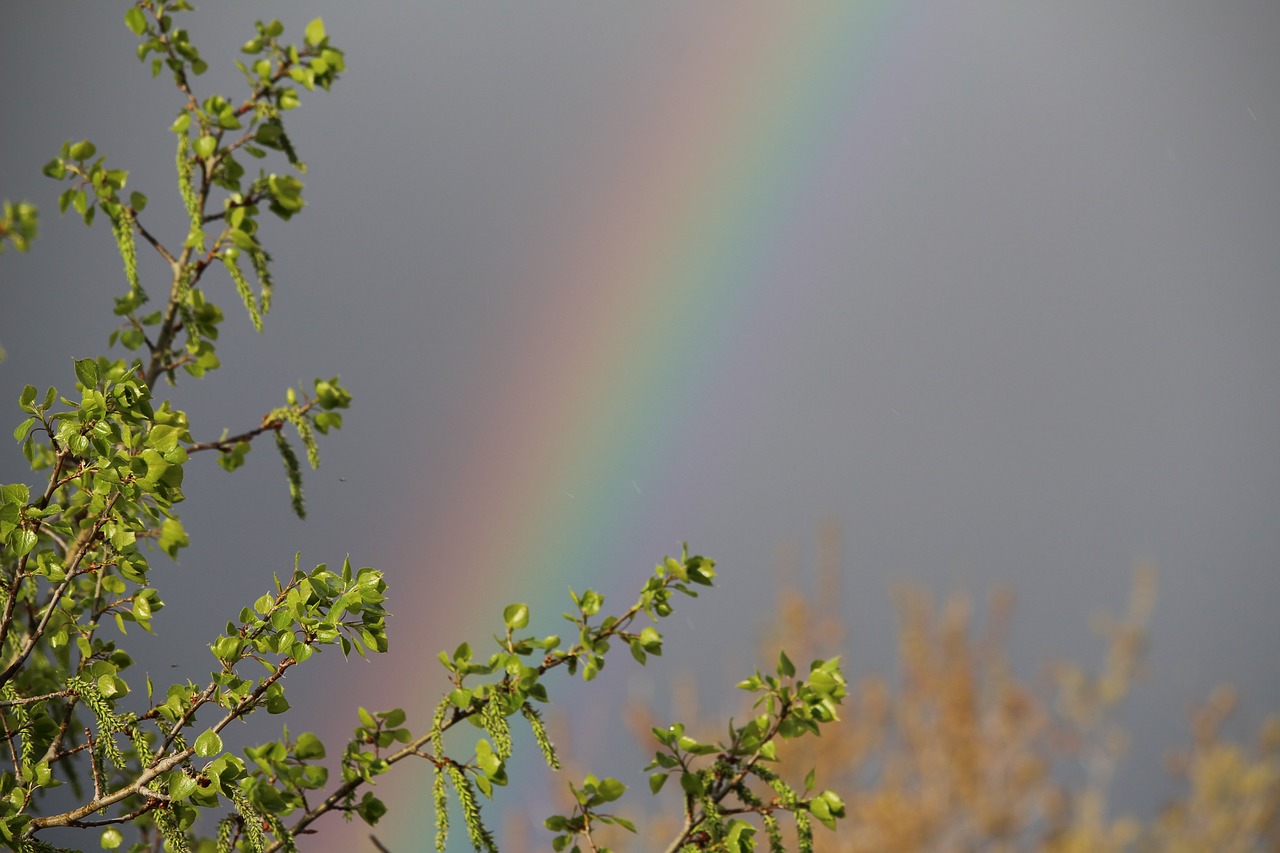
x=208, y=744
x=315, y=32
x=135, y=20
x=516, y=616
x=87, y=372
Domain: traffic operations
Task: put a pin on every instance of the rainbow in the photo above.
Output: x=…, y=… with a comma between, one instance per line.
x=681, y=245
x=688, y=223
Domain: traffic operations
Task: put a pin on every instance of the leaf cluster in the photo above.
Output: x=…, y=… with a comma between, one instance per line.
x=110, y=462
x=18, y=224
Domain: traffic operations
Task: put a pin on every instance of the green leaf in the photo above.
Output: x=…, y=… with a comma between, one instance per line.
x=111, y=838
x=82, y=150
x=656, y=781
x=163, y=437
x=15, y=493
x=87, y=372
x=20, y=432
x=308, y=747
x=371, y=809
x=208, y=744
x=668, y=736
x=516, y=616
x=651, y=640
x=243, y=240
x=276, y=702
x=785, y=667
x=181, y=785
x=591, y=602
x=110, y=686
x=485, y=784
x=487, y=759
x=691, y=784
x=172, y=537
x=609, y=790
x=23, y=542
x=315, y=32
x=204, y=147
x=135, y=20
x=740, y=837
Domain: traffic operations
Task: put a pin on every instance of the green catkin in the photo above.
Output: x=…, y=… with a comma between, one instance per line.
x=122, y=223
x=185, y=186
x=495, y=723
x=286, y=145
x=141, y=745
x=773, y=830
x=261, y=266
x=804, y=831
x=540, y=735
x=184, y=299
x=108, y=722
x=22, y=719
x=303, y=426
x=439, y=795
x=293, y=472
x=32, y=845
x=252, y=819
x=282, y=833
x=242, y=288
x=179, y=742
x=225, y=836
x=437, y=728
x=481, y=839
x=438, y=790
x=790, y=801
x=183, y=293
x=174, y=838
x=713, y=822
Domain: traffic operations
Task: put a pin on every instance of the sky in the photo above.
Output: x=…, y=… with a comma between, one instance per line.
x=991, y=285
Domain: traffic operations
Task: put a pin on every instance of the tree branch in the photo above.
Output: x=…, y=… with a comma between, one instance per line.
x=72, y=817
x=82, y=547
x=268, y=424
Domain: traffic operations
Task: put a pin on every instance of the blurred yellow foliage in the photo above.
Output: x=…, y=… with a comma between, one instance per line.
x=960, y=754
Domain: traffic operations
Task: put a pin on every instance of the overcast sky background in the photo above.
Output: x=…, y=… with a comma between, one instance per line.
x=1021, y=328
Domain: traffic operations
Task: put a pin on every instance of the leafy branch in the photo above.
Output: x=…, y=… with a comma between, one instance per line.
x=490, y=705
x=76, y=551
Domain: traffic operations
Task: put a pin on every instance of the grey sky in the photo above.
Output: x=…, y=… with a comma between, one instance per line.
x=1029, y=337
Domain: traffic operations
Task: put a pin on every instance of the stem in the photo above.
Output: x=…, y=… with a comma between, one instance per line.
x=225, y=444
x=11, y=594
x=82, y=547
x=334, y=801
x=155, y=244
x=73, y=817
x=722, y=789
